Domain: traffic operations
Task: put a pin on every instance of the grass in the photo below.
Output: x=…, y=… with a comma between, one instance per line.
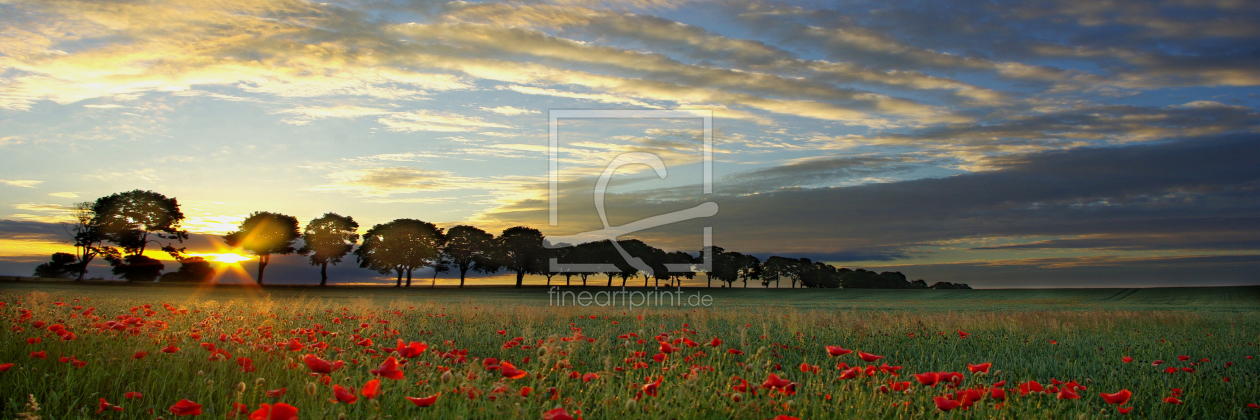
x=1027, y=335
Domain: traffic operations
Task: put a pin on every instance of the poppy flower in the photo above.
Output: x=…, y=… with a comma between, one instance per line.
x=963, y=334
x=316, y=364
x=5, y=367
x=1067, y=394
x=983, y=367
x=558, y=413
x=185, y=408
x=716, y=342
x=1254, y=405
x=867, y=357
x=1124, y=410
x=589, y=377
x=280, y=411
x=1183, y=358
x=132, y=395
x=107, y=406
x=276, y=393
x=1172, y=400
x=510, y=371
x=851, y=373
x=1030, y=386
x=945, y=404
x=372, y=389
x=735, y=352
x=343, y=395
x=1157, y=363
x=666, y=348
x=1118, y=398
x=139, y=355
x=524, y=391
x=389, y=369
x=294, y=345
x=424, y=402
x=39, y=354
x=837, y=351
x=929, y=379
x=997, y=393
x=411, y=350
x=651, y=388
x=785, y=417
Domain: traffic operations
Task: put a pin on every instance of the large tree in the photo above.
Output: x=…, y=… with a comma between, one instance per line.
x=89, y=238
x=680, y=259
x=132, y=220
x=265, y=234
x=777, y=267
x=327, y=240
x=400, y=246
x=469, y=248
x=749, y=267
x=520, y=249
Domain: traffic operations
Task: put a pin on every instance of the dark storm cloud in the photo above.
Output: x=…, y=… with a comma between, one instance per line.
x=17, y=229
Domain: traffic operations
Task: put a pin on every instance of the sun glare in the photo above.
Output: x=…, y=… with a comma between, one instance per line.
x=224, y=257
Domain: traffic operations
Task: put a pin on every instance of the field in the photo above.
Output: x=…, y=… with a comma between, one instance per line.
x=504, y=353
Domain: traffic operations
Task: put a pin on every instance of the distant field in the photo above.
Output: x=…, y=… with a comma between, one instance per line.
x=1228, y=299
x=149, y=351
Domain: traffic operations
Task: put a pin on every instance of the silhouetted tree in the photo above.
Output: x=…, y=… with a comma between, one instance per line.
x=191, y=269
x=61, y=266
x=680, y=258
x=89, y=238
x=327, y=240
x=265, y=234
x=948, y=285
x=400, y=246
x=132, y=220
x=520, y=250
x=749, y=267
x=777, y=267
x=469, y=248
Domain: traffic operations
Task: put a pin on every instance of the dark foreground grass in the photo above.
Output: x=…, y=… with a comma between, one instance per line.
x=1053, y=337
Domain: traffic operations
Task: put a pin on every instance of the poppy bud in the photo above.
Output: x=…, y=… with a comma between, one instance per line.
x=240, y=387
x=310, y=388
x=201, y=373
x=446, y=376
x=341, y=416
x=259, y=382
x=630, y=404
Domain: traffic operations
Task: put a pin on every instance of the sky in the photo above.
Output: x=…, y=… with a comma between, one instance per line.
x=1068, y=143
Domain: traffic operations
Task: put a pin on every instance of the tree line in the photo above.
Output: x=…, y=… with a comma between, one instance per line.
x=120, y=227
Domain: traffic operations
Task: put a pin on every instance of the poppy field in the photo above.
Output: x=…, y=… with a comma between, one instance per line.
x=68, y=355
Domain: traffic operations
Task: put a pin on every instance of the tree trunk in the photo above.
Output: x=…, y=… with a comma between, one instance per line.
x=520, y=278
x=408, y=277
x=262, y=266
x=434, y=285
x=462, y=272
x=323, y=274
x=399, y=284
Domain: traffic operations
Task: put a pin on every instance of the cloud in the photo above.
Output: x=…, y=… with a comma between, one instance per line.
x=510, y=110
x=376, y=182
x=423, y=120
x=305, y=115
x=64, y=194
x=43, y=207
x=24, y=183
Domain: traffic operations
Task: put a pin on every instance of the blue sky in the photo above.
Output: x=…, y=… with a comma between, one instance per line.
x=1004, y=144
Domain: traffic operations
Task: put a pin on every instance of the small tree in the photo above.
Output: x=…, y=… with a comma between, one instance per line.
x=327, y=240
x=61, y=266
x=520, y=249
x=265, y=234
x=469, y=248
x=400, y=246
x=89, y=238
x=191, y=269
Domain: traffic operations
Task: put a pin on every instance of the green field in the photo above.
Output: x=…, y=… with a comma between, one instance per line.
x=1052, y=337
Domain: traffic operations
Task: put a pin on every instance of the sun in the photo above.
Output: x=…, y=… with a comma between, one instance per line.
x=224, y=257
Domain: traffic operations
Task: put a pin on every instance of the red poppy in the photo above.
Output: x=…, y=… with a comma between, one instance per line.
x=867, y=357
x=280, y=411
x=558, y=413
x=316, y=364
x=997, y=393
x=524, y=391
x=132, y=395
x=411, y=350
x=1030, y=386
x=366, y=342
x=5, y=367
x=107, y=406
x=1118, y=398
x=1172, y=400
x=170, y=349
x=424, y=402
x=294, y=345
x=589, y=377
x=372, y=389
x=389, y=369
x=510, y=371
x=1183, y=358
x=651, y=388
x=139, y=355
x=1124, y=410
x=186, y=408
x=945, y=404
x=716, y=342
x=343, y=395
x=1067, y=394
x=735, y=352
x=275, y=393
x=1126, y=359
x=983, y=367
x=39, y=354
x=851, y=372
x=837, y=351
x=929, y=378
x=666, y=348
x=963, y=334
x=785, y=417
